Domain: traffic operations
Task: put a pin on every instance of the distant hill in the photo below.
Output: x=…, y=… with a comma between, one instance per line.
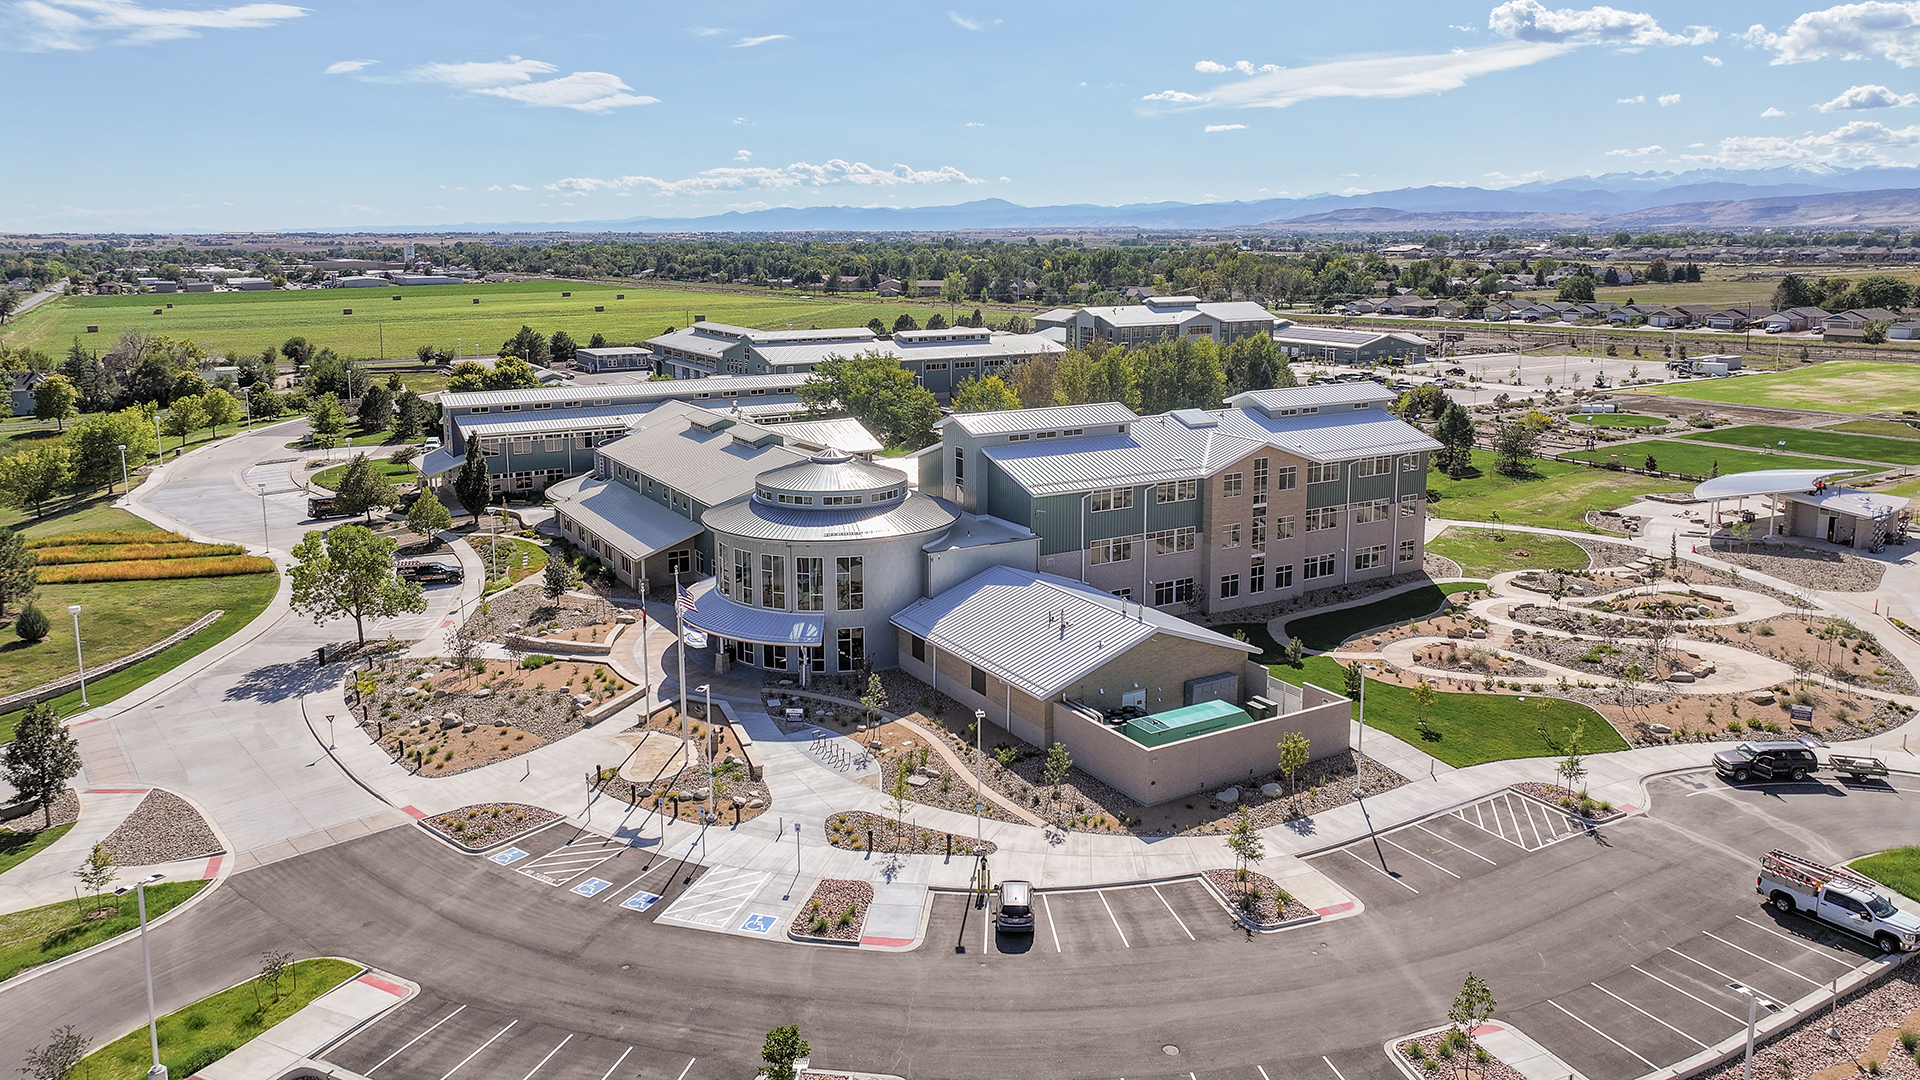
x=1843, y=210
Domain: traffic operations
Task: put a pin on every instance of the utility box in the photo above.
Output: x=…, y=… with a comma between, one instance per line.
x=1222, y=687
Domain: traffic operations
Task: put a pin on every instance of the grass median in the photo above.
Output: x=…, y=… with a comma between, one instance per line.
x=18, y=847
x=1485, y=552
x=1327, y=630
x=1898, y=869
x=41, y=935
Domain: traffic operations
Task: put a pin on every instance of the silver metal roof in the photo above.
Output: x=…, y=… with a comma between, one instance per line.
x=1302, y=397
x=1009, y=421
x=842, y=434
x=631, y=522
x=490, y=426
x=833, y=472
x=1345, y=339
x=565, y=396
x=914, y=515
x=1154, y=449
x=716, y=614
x=711, y=466
x=1340, y=435
x=1764, y=482
x=975, y=530
x=1010, y=622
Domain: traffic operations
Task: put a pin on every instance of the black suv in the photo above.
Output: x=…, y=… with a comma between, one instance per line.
x=1766, y=761
x=430, y=573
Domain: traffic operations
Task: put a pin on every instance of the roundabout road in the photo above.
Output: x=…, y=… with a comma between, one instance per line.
x=1554, y=927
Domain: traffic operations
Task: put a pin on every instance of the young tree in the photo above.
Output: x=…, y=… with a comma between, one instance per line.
x=1294, y=752
x=348, y=571
x=428, y=517
x=327, y=420
x=375, y=412
x=900, y=795
x=33, y=476
x=1059, y=764
x=274, y=967
x=1424, y=696
x=97, y=872
x=56, y=399
x=32, y=624
x=984, y=395
x=1472, y=1007
x=1353, y=677
x=1573, y=766
x=19, y=570
x=41, y=758
x=784, y=1047
x=364, y=487
x=1294, y=653
x=874, y=701
x=188, y=415
x=471, y=486
x=465, y=640
x=221, y=408
x=1245, y=844
x=63, y=1052
x=560, y=577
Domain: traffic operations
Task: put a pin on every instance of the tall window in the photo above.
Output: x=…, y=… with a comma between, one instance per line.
x=720, y=560
x=1107, y=499
x=809, y=584
x=1230, y=485
x=850, y=575
x=1259, y=534
x=1283, y=576
x=1410, y=505
x=743, y=576
x=853, y=648
x=1259, y=481
x=1229, y=586
x=1257, y=575
x=959, y=465
x=1112, y=549
x=773, y=581
x=1406, y=551
x=1230, y=535
x=1318, y=566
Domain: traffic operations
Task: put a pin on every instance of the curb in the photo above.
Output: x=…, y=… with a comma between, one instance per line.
x=485, y=851
x=1258, y=928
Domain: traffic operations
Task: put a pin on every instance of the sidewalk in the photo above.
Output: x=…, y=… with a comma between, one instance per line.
x=47, y=878
x=292, y=1043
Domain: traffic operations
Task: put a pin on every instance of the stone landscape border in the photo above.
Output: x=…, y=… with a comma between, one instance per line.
x=62, y=685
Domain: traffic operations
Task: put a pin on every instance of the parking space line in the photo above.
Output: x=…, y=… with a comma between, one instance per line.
x=1176, y=917
x=1649, y=1016
x=1382, y=873
x=1423, y=859
x=1527, y=809
x=1677, y=990
x=1116, y=919
x=1323, y=1057
x=1814, y=949
x=688, y=1069
x=1264, y=1076
x=1600, y=1033
x=1052, y=929
x=1704, y=964
x=616, y=1063
x=549, y=1056
x=416, y=1039
x=482, y=1046
x=1455, y=843
x=1764, y=960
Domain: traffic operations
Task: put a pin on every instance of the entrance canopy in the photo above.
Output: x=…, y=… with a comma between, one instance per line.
x=1764, y=482
x=718, y=615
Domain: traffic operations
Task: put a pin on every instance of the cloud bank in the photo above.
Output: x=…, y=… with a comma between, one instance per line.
x=800, y=174
x=76, y=25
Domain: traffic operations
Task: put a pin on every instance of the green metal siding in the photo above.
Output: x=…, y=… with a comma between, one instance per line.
x=1174, y=515
x=1004, y=498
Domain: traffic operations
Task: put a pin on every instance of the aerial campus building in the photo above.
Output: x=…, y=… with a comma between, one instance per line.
x=1157, y=318
x=940, y=359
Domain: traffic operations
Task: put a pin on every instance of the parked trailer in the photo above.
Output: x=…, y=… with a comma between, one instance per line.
x=1857, y=768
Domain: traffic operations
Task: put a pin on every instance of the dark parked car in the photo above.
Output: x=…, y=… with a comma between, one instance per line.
x=1766, y=761
x=431, y=573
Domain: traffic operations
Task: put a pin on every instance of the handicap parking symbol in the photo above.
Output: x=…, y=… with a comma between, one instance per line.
x=640, y=901
x=508, y=857
x=591, y=887
x=758, y=924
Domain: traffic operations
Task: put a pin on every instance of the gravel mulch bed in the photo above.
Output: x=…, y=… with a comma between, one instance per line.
x=1605, y=555
x=1864, y=1020
x=1435, y=1065
x=1475, y=660
x=849, y=831
x=835, y=912
x=1611, y=522
x=484, y=825
x=1439, y=567
x=1259, y=898
x=1567, y=799
x=1828, y=569
x=512, y=710
x=1313, y=600
x=66, y=811
x=163, y=828
x=529, y=612
x=1582, y=583
x=736, y=796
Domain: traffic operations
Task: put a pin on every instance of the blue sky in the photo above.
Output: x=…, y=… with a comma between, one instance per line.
x=132, y=115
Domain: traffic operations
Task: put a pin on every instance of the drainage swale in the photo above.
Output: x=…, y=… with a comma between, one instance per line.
x=1170, y=1050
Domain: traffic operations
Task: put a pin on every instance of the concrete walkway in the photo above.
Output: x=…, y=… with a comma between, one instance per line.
x=293, y=1043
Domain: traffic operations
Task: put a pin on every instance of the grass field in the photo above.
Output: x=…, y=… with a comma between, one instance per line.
x=1619, y=420
x=1327, y=630
x=1692, y=459
x=1906, y=488
x=1892, y=429
x=1485, y=552
x=1897, y=869
x=440, y=315
x=1846, y=386
x=1558, y=496
x=213, y=1027
x=1821, y=441
x=18, y=847
x=40, y=935
x=399, y=476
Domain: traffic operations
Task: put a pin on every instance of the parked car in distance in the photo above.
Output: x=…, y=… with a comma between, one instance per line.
x=432, y=444
x=1016, y=907
x=1766, y=761
x=1836, y=895
x=430, y=573
x=321, y=506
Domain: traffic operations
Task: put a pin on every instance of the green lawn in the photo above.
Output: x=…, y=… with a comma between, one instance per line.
x=1822, y=441
x=1328, y=629
x=1557, y=496
x=1468, y=729
x=96, y=512
x=1898, y=869
x=1907, y=488
x=439, y=315
x=18, y=847
x=1892, y=429
x=1485, y=552
x=1845, y=386
x=1619, y=420
x=1691, y=459
x=39, y=935
x=397, y=475
x=518, y=558
x=215, y=1026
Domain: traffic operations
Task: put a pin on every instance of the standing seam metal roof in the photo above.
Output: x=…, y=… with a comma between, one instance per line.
x=1155, y=449
x=1007, y=421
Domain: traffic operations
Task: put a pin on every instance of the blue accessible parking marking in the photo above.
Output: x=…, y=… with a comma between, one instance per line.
x=640, y=901
x=758, y=924
x=591, y=887
x=508, y=857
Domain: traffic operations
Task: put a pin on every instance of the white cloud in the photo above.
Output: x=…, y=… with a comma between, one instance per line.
x=976, y=123
x=1208, y=67
x=743, y=155
x=1853, y=144
x=519, y=187
x=750, y=42
x=513, y=79
x=968, y=22
x=495, y=187
x=1868, y=96
x=1713, y=61
x=1371, y=77
x=348, y=67
x=1177, y=96
x=1847, y=32
x=1244, y=67
x=1771, y=113
x=1645, y=151
x=1211, y=128
x=72, y=25
x=1669, y=99
x=742, y=121
x=1530, y=20
x=705, y=31
x=1637, y=99
x=800, y=174
x=1006, y=179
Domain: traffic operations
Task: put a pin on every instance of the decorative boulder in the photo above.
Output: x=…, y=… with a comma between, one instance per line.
x=1271, y=791
x=468, y=728
x=756, y=804
x=739, y=800
x=625, y=619
x=583, y=700
x=448, y=722
x=483, y=693
x=1659, y=729
x=1230, y=795
x=1681, y=676
x=1476, y=633
x=1760, y=697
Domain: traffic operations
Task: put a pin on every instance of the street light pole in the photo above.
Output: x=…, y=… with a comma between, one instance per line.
x=706, y=750
x=139, y=888
x=979, y=721
x=79, y=657
x=266, y=540
x=126, y=488
x=1754, y=1001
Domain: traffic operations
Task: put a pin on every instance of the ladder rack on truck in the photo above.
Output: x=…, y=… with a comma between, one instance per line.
x=1810, y=874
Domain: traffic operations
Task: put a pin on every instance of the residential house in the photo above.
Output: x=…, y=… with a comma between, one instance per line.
x=20, y=386
x=1737, y=317
x=1852, y=324
x=1793, y=319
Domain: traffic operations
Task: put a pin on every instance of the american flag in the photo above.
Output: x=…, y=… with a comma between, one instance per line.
x=682, y=600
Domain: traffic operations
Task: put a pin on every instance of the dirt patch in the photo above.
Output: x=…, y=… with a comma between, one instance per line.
x=835, y=912
x=1258, y=898
x=441, y=721
x=484, y=825
x=857, y=830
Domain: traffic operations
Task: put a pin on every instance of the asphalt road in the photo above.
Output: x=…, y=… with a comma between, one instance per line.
x=1540, y=925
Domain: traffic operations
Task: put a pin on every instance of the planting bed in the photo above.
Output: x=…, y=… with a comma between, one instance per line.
x=849, y=831
x=1567, y=799
x=1829, y=569
x=498, y=713
x=528, y=612
x=484, y=825
x=1475, y=660
x=1868, y=1023
x=835, y=912
x=66, y=811
x=1431, y=1062
x=1259, y=898
x=164, y=827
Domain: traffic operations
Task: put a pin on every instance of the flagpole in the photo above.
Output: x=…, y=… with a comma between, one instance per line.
x=680, y=618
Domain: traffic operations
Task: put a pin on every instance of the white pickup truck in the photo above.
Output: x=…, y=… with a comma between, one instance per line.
x=1836, y=895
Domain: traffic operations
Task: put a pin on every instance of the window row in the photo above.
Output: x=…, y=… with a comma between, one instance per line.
x=738, y=580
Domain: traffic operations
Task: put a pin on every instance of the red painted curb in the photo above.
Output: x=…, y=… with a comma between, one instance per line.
x=213, y=868
x=886, y=941
x=413, y=813
x=1335, y=909
x=379, y=983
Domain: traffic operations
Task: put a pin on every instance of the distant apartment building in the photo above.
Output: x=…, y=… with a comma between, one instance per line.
x=1158, y=318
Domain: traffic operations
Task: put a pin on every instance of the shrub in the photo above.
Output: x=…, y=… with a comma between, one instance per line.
x=536, y=661
x=89, y=553
x=31, y=624
x=107, y=536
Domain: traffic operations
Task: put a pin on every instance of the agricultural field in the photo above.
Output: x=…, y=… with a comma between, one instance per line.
x=1557, y=496
x=1815, y=441
x=440, y=315
x=1845, y=386
x=1692, y=459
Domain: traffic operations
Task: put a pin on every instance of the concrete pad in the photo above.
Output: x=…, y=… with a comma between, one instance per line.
x=1528, y=1058
x=894, y=917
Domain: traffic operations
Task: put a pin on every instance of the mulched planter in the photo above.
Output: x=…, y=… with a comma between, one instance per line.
x=66, y=811
x=736, y=799
x=1448, y=1068
x=1266, y=911
x=849, y=831
x=830, y=904
x=163, y=828
x=1864, y=1020
x=1565, y=799
x=484, y=825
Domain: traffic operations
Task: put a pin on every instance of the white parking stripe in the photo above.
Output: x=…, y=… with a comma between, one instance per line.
x=416, y=1039
x=1382, y=873
x=1423, y=859
x=1527, y=809
x=1814, y=949
x=482, y=1046
x=1677, y=990
x=1456, y=843
x=1600, y=1033
x=1704, y=964
x=1649, y=1016
x=1115, y=918
x=1764, y=960
x=688, y=1069
x=616, y=1063
x=1052, y=929
x=549, y=1057
x=1176, y=918
x=1264, y=1076
x=1323, y=1057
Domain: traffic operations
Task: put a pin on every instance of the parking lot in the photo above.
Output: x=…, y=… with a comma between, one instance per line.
x=432, y=1039
x=1084, y=921
x=1394, y=867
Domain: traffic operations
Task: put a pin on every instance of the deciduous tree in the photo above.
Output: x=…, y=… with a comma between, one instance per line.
x=33, y=476
x=348, y=571
x=375, y=412
x=56, y=399
x=1294, y=751
x=363, y=487
x=221, y=409
x=327, y=420
x=783, y=1048
x=428, y=517
x=1059, y=764
x=874, y=389
x=984, y=395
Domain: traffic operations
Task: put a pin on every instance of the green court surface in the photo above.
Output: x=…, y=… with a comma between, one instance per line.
x=1786, y=440
x=1692, y=459
x=1846, y=386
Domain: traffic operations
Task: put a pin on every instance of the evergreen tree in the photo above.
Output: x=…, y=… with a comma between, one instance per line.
x=1455, y=434
x=471, y=486
x=19, y=573
x=376, y=409
x=32, y=624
